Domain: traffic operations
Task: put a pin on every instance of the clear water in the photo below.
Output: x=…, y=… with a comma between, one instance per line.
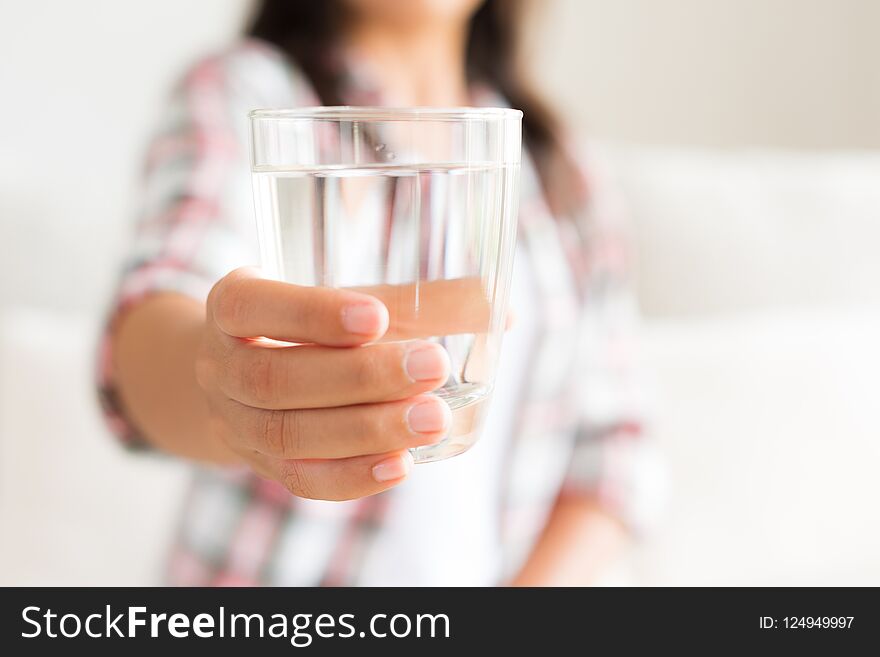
x=431, y=242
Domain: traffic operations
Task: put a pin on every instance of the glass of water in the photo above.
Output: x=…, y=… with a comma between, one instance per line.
x=416, y=206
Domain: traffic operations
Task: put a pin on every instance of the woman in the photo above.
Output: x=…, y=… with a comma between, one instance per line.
x=549, y=492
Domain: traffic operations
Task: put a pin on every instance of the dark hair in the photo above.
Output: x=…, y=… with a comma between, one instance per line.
x=305, y=30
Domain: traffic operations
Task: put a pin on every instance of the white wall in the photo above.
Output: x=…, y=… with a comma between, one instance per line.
x=791, y=73
x=83, y=82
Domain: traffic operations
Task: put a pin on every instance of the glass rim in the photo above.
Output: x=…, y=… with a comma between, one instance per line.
x=355, y=113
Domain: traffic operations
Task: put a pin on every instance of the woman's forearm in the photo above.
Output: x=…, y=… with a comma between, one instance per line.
x=578, y=543
x=154, y=351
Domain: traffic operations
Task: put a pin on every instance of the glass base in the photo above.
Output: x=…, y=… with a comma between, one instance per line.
x=468, y=413
x=446, y=448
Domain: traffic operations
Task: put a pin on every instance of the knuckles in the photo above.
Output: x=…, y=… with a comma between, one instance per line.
x=205, y=372
x=276, y=435
x=295, y=478
x=258, y=373
x=229, y=303
x=214, y=362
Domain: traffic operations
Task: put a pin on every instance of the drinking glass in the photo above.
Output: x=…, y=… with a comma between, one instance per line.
x=416, y=206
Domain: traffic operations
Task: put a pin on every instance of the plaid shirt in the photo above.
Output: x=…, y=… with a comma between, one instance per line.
x=578, y=409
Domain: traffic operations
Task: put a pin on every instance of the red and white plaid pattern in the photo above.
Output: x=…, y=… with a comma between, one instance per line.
x=578, y=404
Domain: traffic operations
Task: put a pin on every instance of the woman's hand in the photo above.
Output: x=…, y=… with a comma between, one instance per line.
x=579, y=543
x=331, y=417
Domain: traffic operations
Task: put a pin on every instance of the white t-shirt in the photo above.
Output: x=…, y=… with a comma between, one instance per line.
x=447, y=513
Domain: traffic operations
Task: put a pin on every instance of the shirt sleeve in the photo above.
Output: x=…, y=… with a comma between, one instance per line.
x=195, y=220
x=613, y=458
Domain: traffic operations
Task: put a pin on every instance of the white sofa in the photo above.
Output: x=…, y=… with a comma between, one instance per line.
x=74, y=507
x=759, y=281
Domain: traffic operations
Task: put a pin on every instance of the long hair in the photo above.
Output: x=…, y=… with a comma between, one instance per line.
x=306, y=31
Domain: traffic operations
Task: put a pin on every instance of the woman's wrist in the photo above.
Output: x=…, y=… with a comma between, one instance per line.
x=578, y=543
x=154, y=353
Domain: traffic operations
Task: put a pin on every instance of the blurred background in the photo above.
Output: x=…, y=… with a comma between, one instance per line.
x=744, y=136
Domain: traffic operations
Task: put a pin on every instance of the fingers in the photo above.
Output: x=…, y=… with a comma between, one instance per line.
x=312, y=376
x=244, y=305
x=332, y=433
x=337, y=479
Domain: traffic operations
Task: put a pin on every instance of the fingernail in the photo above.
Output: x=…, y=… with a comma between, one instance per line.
x=362, y=319
x=393, y=468
x=428, y=416
x=427, y=363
